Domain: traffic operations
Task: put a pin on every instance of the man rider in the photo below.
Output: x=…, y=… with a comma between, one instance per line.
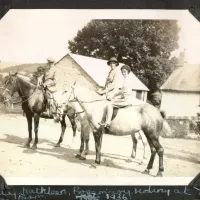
x=48, y=82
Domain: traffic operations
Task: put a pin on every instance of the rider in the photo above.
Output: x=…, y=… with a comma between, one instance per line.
x=47, y=80
x=113, y=80
x=122, y=98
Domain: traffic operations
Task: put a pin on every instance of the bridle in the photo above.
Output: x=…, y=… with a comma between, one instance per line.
x=16, y=82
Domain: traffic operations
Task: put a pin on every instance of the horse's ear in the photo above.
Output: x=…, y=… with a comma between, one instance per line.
x=74, y=83
x=15, y=74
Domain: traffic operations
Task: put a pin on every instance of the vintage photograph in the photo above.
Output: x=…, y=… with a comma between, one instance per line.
x=99, y=94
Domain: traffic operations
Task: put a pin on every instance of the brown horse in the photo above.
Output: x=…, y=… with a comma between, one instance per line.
x=33, y=102
x=126, y=121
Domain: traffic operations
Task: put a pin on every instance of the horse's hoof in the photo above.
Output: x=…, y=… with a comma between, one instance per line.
x=82, y=158
x=34, y=147
x=57, y=145
x=159, y=174
x=146, y=171
x=129, y=160
x=26, y=146
x=77, y=156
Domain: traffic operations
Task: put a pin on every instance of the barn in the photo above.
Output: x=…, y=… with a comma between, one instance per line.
x=181, y=92
x=90, y=72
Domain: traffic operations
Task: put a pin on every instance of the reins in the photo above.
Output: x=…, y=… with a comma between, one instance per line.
x=30, y=95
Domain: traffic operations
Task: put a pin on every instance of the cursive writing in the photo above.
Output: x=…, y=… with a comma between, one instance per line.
x=43, y=191
x=8, y=194
x=126, y=194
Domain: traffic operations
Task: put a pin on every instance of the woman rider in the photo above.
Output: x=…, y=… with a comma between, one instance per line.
x=122, y=98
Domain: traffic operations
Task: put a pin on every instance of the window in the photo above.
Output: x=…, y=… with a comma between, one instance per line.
x=139, y=95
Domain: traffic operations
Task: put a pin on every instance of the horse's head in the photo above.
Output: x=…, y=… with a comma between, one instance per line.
x=10, y=87
x=61, y=103
x=11, y=83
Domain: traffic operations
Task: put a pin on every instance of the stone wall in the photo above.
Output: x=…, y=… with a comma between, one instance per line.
x=183, y=127
x=68, y=71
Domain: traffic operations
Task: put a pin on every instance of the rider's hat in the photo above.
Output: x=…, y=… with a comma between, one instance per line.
x=113, y=59
x=51, y=60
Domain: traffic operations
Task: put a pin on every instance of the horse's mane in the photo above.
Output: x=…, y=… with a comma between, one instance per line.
x=88, y=94
x=26, y=80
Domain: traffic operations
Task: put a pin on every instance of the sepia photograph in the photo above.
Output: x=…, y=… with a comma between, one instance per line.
x=100, y=94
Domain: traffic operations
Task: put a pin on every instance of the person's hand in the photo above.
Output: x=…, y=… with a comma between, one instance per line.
x=40, y=83
x=109, y=97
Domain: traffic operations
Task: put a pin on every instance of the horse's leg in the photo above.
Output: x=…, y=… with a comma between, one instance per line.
x=98, y=142
x=155, y=148
x=79, y=155
x=63, y=128
x=145, y=144
x=71, y=117
x=87, y=147
x=133, y=154
x=36, y=125
x=85, y=134
x=29, y=120
x=152, y=158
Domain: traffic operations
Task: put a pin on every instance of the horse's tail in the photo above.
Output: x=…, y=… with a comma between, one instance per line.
x=166, y=129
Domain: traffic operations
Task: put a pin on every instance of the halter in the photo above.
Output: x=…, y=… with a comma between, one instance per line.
x=16, y=82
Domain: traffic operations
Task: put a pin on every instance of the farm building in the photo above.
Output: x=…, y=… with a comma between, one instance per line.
x=90, y=72
x=181, y=92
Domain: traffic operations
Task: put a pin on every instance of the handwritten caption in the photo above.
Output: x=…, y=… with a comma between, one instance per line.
x=36, y=193
x=78, y=193
x=127, y=194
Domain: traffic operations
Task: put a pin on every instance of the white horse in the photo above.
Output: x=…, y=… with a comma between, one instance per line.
x=126, y=121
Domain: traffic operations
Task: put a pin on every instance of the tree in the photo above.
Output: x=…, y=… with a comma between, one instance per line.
x=145, y=45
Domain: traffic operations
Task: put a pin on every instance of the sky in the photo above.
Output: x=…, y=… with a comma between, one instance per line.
x=28, y=36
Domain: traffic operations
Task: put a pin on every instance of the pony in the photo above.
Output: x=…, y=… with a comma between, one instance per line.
x=86, y=130
x=33, y=105
x=125, y=121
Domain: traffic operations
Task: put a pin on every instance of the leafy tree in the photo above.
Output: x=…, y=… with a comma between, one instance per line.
x=145, y=45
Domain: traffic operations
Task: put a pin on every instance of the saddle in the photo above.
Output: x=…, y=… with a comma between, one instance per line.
x=48, y=101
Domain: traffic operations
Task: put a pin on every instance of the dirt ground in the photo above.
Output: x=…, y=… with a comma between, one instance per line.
x=181, y=158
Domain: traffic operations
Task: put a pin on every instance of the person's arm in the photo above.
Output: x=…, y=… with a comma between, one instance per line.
x=52, y=78
x=117, y=80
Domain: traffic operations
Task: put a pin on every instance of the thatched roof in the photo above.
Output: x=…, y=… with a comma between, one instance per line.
x=184, y=79
x=98, y=70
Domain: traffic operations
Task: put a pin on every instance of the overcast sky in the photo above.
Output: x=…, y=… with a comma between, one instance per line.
x=34, y=35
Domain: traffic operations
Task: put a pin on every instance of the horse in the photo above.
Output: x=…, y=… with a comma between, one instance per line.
x=86, y=130
x=126, y=121
x=33, y=105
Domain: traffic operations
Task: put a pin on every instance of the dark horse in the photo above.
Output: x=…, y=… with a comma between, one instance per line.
x=33, y=105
